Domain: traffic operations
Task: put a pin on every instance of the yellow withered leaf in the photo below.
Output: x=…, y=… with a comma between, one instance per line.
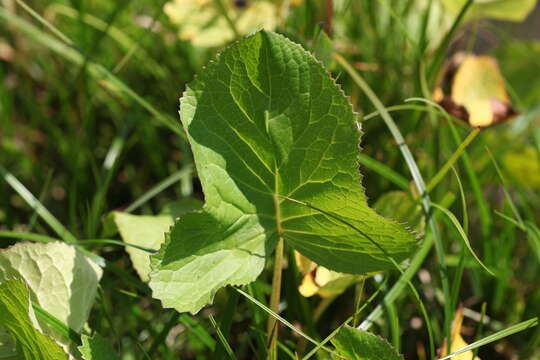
x=473, y=89
x=457, y=341
x=318, y=280
x=202, y=21
x=507, y=10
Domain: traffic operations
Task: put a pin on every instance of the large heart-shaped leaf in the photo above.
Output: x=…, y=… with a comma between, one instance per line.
x=267, y=124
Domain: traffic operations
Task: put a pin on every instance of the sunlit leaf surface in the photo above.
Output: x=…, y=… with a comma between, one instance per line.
x=267, y=124
x=142, y=230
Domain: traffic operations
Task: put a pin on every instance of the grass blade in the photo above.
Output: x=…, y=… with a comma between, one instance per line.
x=37, y=206
x=281, y=319
x=172, y=179
x=222, y=338
x=418, y=180
x=451, y=161
x=494, y=337
x=27, y=236
x=441, y=50
x=384, y=170
x=70, y=52
x=505, y=188
x=462, y=233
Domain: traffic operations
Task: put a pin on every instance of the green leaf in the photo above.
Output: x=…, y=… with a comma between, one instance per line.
x=145, y=231
x=356, y=344
x=181, y=207
x=510, y=10
x=18, y=318
x=401, y=206
x=524, y=325
x=265, y=121
x=8, y=348
x=61, y=279
x=97, y=348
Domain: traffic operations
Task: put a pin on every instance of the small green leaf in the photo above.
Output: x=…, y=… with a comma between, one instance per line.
x=510, y=10
x=356, y=344
x=62, y=280
x=145, y=231
x=97, y=348
x=17, y=318
x=266, y=124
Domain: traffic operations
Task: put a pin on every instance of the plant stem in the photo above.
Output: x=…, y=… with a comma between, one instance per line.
x=274, y=301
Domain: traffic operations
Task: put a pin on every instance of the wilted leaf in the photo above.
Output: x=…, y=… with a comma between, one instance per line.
x=202, y=21
x=18, y=318
x=473, y=90
x=97, y=348
x=356, y=344
x=321, y=281
x=142, y=230
x=457, y=340
x=61, y=279
x=265, y=122
x=510, y=10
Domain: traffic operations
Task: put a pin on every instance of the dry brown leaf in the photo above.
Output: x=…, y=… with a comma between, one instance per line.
x=318, y=280
x=473, y=89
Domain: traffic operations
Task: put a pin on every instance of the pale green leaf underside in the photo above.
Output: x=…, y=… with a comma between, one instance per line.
x=61, y=279
x=143, y=230
x=356, y=344
x=97, y=348
x=16, y=316
x=264, y=121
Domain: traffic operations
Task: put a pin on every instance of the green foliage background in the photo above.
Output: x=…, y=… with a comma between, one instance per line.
x=91, y=127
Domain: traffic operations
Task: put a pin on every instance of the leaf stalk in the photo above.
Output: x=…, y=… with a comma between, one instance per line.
x=274, y=301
